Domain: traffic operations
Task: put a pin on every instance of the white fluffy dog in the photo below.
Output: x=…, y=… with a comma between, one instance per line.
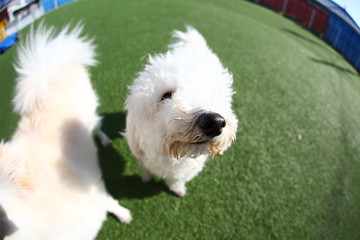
x=179, y=111
x=50, y=182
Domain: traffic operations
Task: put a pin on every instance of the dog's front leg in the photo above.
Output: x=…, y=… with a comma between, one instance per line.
x=110, y=204
x=146, y=175
x=121, y=213
x=177, y=186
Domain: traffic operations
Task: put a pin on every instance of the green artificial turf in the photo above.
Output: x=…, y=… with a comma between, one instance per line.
x=293, y=172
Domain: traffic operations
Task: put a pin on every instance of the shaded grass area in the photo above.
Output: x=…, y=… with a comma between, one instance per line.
x=292, y=172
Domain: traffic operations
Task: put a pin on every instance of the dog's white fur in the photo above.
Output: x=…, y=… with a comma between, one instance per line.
x=50, y=181
x=162, y=132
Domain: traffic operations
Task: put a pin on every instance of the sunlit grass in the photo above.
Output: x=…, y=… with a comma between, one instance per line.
x=293, y=172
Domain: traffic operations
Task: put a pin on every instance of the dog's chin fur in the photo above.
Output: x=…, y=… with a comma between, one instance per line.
x=164, y=104
x=50, y=181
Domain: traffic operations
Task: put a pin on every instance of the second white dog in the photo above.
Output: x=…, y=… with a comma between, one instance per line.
x=179, y=111
x=50, y=182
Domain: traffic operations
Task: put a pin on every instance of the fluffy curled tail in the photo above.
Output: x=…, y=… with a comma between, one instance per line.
x=42, y=57
x=189, y=39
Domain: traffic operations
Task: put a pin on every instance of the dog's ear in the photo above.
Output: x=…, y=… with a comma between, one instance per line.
x=148, y=108
x=7, y=227
x=133, y=136
x=144, y=108
x=141, y=103
x=191, y=39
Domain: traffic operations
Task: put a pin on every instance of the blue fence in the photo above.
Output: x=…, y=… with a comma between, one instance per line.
x=62, y=2
x=341, y=32
x=4, y=2
x=49, y=5
x=345, y=39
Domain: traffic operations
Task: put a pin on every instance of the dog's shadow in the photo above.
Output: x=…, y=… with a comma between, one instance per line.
x=113, y=165
x=113, y=123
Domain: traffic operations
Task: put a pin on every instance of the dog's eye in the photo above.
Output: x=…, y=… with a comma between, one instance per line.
x=167, y=95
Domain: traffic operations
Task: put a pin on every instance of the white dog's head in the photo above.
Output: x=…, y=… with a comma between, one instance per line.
x=180, y=105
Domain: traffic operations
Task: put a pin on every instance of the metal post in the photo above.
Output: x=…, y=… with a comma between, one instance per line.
x=313, y=12
x=337, y=36
x=284, y=6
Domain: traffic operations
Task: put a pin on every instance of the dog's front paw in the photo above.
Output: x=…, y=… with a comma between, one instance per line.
x=181, y=191
x=123, y=214
x=176, y=186
x=146, y=176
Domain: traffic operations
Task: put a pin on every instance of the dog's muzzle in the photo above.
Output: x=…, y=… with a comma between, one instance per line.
x=211, y=124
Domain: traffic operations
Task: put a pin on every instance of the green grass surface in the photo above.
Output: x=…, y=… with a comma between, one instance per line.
x=293, y=172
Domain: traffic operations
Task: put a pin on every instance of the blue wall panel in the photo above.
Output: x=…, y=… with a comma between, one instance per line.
x=4, y=2
x=48, y=5
x=62, y=2
x=344, y=38
x=51, y=4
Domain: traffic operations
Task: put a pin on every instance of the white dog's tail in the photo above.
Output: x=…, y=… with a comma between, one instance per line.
x=189, y=39
x=43, y=57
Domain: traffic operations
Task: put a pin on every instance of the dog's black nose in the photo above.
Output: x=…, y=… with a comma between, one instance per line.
x=211, y=124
